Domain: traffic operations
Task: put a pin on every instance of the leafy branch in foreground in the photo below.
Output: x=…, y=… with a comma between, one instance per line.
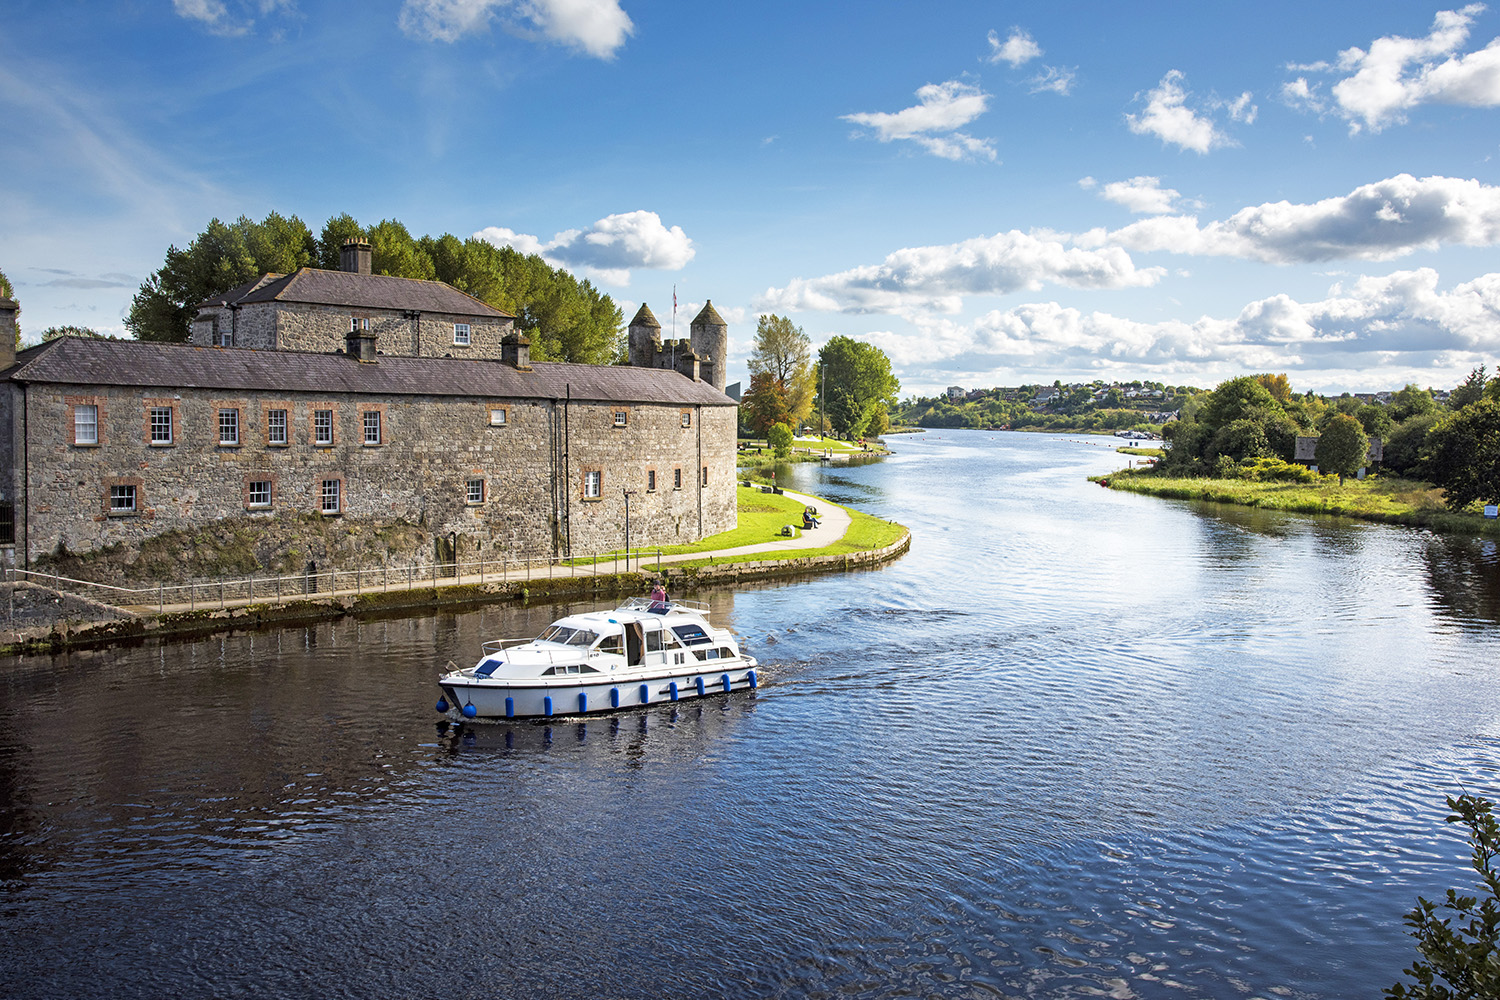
x=1460, y=963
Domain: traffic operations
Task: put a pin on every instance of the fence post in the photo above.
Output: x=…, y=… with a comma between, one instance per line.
x=161, y=590
x=250, y=585
x=221, y=592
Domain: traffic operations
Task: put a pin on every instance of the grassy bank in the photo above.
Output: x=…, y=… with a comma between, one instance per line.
x=1376, y=498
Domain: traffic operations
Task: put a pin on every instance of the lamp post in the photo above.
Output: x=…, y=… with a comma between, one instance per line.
x=628, y=495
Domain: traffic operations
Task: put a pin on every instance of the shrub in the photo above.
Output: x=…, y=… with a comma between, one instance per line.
x=1274, y=470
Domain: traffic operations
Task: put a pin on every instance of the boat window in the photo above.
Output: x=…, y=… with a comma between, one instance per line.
x=653, y=641
x=725, y=652
x=486, y=668
x=611, y=644
x=582, y=637
x=555, y=633
x=586, y=669
x=692, y=635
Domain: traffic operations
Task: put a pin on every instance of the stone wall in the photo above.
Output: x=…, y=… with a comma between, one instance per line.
x=272, y=326
x=529, y=469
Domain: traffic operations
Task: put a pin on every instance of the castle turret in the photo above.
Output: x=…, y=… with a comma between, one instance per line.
x=710, y=338
x=8, y=310
x=645, y=338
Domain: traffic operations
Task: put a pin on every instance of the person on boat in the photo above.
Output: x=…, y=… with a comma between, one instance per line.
x=659, y=598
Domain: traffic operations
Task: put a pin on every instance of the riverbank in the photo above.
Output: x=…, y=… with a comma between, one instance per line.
x=44, y=619
x=1386, y=500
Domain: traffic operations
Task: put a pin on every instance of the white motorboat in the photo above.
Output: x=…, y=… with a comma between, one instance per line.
x=641, y=653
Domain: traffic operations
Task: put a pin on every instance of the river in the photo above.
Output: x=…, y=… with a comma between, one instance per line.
x=1075, y=743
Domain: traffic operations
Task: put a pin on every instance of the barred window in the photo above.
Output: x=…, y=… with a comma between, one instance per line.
x=276, y=426
x=621, y=417
x=676, y=479
x=461, y=334
x=161, y=425
x=372, y=427
x=650, y=480
x=322, y=427
x=86, y=424
x=331, y=496
x=229, y=426
x=121, y=499
x=475, y=491
x=259, y=494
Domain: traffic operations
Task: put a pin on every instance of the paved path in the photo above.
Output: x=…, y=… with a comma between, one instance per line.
x=834, y=524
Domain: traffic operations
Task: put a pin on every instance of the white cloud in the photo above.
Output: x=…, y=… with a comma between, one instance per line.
x=1397, y=74
x=1017, y=49
x=610, y=249
x=937, y=278
x=1379, y=221
x=596, y=27
x=1053, y=79
x=933, y=123
x=1141, y=195
x=1385, y=330
x=217, y=17
x=1168, y=117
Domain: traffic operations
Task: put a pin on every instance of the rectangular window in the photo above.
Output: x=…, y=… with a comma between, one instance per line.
x=474, y=493
x=676, y=479
x=224, y=338
x=687, y=418
x=498, y=416
x=593, y=483
x=259, y=493
x=705, y=475
x=7, y=523
x=650, y=480
x=461, y=334
x=161, y=425
x=85, y=424
x=229, y=426
x=276, y=426
x=322, y=427
x=330, y=496
x=122, y=499
x=372, y=427
x=621, y=417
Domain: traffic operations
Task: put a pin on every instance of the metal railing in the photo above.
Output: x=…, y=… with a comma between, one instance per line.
x=323, y=583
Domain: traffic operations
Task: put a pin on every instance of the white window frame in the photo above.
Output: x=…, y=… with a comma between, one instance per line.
x=251, y=491
x=161, y=421
x=122, y=498
x=593, y=484
x=86, y=431
x=229, y=425
x=474, y=492
x=463, y=335
x=276, y=423
x=687, y=418
x=498, y=416
x=322, y=427
x=332, y=494
x=372, y=422
x=622, y=418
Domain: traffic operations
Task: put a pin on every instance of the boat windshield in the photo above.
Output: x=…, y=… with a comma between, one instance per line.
x=565, y=636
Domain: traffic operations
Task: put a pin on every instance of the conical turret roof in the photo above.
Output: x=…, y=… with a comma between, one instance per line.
x=709, y=316
x=644, y=317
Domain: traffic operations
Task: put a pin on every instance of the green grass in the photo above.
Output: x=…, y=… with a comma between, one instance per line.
x=1376, y=498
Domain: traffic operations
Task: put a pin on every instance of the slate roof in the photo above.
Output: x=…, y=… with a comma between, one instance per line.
x=709, y=315
x=645, y=317
x=314, y=286
x=86, y=361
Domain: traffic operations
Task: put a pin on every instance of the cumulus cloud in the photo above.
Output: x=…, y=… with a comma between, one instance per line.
x=1379, y=221
x=595, y=27
x=1017, y=49
x=1397, y=74
x=937, y=278
x=609, y=249
x=1168, y=117
x=1141, y=195
x=1392, y=329
x=934, y=122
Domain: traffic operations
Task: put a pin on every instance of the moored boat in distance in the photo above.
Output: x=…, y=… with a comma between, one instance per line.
x=641, y=653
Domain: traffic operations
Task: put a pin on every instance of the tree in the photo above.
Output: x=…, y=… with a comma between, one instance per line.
x=1342, y=447
x=1407, y=444
x=858, y=384
x=1470, y=390
x=1463, y=455
x=764, y=406
x=780, y=438
x=1375, y=419
x=1279, y=386
x=7, y=291
x=1460, y=962
x=783, y=353
x=1412, y=402
x=54, y=332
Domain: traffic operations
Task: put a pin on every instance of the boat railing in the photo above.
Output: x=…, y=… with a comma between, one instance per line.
x=498, y=645
x=647, y=604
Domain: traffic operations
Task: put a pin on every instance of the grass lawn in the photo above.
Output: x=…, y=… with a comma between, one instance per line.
x=1375, y=498
x=761, y=516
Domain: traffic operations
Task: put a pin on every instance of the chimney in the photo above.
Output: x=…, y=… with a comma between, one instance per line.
x=354, y=256
x=8, y=310
x=360, y=341
x=515, y=350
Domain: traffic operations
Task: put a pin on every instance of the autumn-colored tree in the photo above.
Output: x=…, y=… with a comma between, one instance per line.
x=765, y=405
x=783, y=354
x=1279, y=386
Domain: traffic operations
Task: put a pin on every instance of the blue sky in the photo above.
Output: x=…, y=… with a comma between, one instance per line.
x=992, y=193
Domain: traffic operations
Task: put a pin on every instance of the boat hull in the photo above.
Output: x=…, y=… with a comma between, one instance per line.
x=499, y=699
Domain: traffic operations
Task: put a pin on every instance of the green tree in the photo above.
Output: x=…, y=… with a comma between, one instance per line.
x=1342, y=447
x=1375, y=419
x=780, y=438
x=1463, y=455
x=393, y=251
x=7, y=291
x=331, y=243
x=1407, y=443
x=1460, y=962
x=783, y=354
x=1412, y=402
x=1470, y=390
x=858, y=384
x=54, y=332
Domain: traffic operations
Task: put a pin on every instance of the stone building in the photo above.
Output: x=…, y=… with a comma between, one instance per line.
x=701, y=355
x=105, y=442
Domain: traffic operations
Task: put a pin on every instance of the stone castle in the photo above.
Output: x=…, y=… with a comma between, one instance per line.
x=364, y=397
